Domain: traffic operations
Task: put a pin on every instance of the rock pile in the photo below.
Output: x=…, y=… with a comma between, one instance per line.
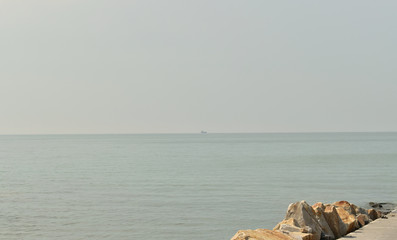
x=317, y=222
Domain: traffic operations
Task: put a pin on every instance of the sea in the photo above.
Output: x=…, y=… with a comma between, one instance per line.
x=182, y=186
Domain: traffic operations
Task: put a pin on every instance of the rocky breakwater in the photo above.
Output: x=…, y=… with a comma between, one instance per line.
x=317, y=222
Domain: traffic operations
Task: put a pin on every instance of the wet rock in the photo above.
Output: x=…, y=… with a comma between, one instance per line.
x=384, y=207
x=260, y=234
x=375, y=205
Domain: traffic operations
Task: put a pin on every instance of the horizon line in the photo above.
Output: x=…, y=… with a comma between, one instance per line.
x=181, y=133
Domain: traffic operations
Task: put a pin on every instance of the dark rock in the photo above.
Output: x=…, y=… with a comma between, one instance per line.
x=384, y=207
x=373, y=214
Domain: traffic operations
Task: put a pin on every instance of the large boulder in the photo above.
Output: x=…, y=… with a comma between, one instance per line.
x=336, y=224
x=345, y=205
x=348, y=219
x=260, y=234
x=304, y=218
x=290, y=228
x=326, y=230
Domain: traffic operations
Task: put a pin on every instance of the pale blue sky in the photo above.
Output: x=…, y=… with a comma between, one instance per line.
x=94, y=66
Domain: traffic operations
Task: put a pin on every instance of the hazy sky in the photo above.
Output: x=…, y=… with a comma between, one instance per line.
x=118, y=66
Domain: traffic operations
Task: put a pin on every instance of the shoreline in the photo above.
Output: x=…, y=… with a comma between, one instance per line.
x=381, y=229
x=320, y=221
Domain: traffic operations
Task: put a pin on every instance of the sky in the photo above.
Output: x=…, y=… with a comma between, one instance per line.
x=182, y=66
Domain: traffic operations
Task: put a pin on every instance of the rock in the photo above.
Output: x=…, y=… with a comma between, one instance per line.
x=260, y=234
x=336, y=224
x=384, y=207
x=345, y=205
x=290, y=228
x=304, y=218
x=287, y=226
x=375, y=205
x=388, y=207
x=318, y=222
x=299, y=235
x=359, y=210
x=319, y=205
x=326, y=232
x=348, y=219
x=287, y=222
x=373, y=214
x=307, y=229
x=362, y=219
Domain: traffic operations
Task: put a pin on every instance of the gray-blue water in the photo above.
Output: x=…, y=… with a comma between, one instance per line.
x=182, y=186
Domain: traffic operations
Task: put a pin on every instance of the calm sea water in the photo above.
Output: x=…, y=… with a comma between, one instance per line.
x=182, y=186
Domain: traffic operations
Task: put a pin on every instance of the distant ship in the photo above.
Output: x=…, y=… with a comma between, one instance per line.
x=203, y=132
